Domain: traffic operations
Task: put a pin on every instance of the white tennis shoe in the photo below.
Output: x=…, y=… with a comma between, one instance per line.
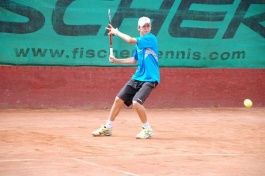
x=145, y=134
x=102, y=131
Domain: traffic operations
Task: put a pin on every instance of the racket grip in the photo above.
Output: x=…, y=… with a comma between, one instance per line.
x=111, y=51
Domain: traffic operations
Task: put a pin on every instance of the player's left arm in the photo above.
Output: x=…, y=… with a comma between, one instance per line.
x=129, y=60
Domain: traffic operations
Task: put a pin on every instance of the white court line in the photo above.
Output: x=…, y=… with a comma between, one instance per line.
x=17, y=160
x=177, y=154
x=209, y=154
x=158, y=155
x=109, y=168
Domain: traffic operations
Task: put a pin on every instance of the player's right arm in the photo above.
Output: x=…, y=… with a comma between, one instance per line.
x=123, y=36
x=126, y=37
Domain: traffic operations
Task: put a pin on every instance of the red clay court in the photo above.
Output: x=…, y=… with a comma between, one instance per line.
x=187, y=142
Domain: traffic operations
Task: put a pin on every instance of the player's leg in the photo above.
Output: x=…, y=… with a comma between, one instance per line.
x=140, y=97
x=115, y=109
x=146, y=131
x=138, y=101
x=141, y=111
x=114, y=112
x=124, y=96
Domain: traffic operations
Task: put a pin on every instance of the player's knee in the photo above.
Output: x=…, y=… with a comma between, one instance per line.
x=136, y=104
x=118, y=100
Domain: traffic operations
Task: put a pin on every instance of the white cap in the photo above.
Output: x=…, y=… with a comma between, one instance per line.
x=144, y=20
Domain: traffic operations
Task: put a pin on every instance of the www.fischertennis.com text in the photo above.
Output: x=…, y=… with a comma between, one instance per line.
x=82, y=53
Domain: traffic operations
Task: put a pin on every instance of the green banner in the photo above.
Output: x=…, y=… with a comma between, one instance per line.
x=191, y=33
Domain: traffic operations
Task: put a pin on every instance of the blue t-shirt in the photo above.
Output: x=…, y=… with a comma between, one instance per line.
x=146, y=54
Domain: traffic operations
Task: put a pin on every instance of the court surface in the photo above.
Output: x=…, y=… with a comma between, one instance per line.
x=187, y=142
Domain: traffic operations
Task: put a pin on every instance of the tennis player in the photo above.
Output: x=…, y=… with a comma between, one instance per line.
x=142, y=82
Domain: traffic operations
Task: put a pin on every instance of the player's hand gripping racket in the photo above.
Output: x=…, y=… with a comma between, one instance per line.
x=110, y=36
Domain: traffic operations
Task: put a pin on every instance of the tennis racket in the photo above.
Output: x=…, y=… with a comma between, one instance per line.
x=110, y=36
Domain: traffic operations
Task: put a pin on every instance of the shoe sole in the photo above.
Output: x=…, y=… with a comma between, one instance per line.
x=101, y=134
x=144, y=138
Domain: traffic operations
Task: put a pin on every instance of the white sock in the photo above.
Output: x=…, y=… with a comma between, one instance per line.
x=146, y=126
x=109, y=124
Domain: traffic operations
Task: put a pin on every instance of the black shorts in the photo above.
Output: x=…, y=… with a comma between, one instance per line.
x=135, y=90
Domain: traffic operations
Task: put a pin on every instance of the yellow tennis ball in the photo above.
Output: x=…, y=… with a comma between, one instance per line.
x=248, y=103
